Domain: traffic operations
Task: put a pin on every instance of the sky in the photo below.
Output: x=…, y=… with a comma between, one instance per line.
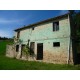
x=13, y=19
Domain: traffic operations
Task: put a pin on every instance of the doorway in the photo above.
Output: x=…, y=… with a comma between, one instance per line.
x=17, y=48
x=39, y=51
x=22, y=47
x=32, y=48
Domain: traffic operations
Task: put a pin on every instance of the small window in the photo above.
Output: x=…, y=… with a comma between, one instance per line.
x=17, y=48
x=18, y=34
x=56, y=44
x=55, y=26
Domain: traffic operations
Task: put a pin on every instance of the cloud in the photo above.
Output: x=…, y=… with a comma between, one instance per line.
x=63, y=12
x=8, y=21
x=4, y=34
x=11, y=21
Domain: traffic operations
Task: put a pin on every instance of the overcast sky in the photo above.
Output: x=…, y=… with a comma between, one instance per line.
x=13, y=19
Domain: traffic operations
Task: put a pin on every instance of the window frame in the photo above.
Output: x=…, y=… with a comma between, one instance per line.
x=17, y=48
x=56, y=44
x=56, y=26
x=18, y=34
x=33, y=28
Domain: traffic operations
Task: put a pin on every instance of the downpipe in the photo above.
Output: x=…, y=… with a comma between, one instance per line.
x=69, y=48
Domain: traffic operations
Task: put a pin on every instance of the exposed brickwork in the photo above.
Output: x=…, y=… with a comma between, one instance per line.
x=53, y=58
x=56, y=58
x=47, y=56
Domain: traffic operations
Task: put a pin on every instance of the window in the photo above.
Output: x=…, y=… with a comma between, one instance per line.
x=18, y=34
x=55, y=26
x=56, y=44
x=17, y=48
x=32, y=28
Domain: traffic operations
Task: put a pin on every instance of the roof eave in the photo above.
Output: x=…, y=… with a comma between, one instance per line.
x=51, y=19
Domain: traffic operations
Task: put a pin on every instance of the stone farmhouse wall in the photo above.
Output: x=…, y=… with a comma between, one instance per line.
x=48, y=57
x=10, y=51
x=44, y=34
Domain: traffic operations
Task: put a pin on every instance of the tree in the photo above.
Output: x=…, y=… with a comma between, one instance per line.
x=26, y=51
x=75, y=31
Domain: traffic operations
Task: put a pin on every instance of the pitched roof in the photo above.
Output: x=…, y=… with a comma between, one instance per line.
x=41, y=22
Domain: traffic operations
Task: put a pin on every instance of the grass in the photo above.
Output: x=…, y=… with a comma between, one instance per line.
x=3, y=46
x=14, y=64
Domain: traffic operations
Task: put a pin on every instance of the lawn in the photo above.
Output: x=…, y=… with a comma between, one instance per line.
x=3, y=46
x=14, y=64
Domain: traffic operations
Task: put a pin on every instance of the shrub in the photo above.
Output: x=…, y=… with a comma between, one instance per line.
x=26, y=51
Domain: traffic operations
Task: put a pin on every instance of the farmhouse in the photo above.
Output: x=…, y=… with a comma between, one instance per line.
x=49, y=40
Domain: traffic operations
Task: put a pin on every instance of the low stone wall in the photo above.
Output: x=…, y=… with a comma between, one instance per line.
x=10, y=51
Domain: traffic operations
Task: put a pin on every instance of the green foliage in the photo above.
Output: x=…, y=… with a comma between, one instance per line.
x=3, y=44
x=17, y=40
x=20, y=41
x=78, y=32
x=76, y=21
x=26, y=51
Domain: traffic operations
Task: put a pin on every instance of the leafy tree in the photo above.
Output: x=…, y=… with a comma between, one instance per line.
x=75, y=32
x=26, y=51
